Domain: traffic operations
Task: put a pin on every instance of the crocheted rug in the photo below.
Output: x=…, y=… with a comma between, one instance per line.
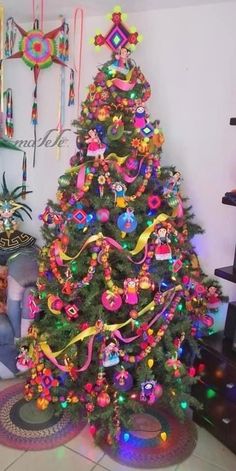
x=23, y=427
x=155, y=441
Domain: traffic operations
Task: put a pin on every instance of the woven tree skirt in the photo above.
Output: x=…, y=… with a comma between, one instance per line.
x=156, y=439
x=24, y=427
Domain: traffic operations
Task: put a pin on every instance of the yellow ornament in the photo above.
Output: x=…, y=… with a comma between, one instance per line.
x=42, y=403
x=164, y=436
x=150, y=363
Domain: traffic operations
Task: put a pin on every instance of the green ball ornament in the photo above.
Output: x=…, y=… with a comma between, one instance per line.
x=43, y=295
x=172, y=201
x=64, y=181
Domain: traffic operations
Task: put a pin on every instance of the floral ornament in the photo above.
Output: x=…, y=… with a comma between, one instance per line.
x=45, y=381
x=175, y=366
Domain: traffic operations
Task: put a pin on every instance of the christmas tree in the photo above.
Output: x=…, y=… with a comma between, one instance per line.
x=120, y=294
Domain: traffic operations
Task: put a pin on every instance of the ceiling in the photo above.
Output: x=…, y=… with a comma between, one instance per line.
x=21, y=10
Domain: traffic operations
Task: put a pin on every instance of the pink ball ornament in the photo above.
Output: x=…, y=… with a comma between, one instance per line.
x=111, y=301
x=158, y=391
x=103, y=399
x=103, y=215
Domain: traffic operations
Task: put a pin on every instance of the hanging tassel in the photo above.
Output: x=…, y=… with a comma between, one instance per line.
x=24, y=176
x=10, y=37
x=34, y=114
x=71, y=100
x=9, y=126
x=64, y=42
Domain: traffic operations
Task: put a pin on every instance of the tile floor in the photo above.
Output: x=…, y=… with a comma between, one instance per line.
x=81, y=454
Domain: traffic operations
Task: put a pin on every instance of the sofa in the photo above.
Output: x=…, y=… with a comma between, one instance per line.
x=22, y=276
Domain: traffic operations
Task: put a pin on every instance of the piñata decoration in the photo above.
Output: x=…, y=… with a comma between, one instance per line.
x=39, y=51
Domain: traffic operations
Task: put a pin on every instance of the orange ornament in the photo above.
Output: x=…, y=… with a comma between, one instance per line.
x=42, y=403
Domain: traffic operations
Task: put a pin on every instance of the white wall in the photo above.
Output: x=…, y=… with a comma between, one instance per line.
x=188, y=54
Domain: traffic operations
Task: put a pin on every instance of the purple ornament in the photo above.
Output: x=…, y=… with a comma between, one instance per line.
x=123, y=380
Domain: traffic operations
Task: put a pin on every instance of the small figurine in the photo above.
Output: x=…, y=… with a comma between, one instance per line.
x=213, y=299
x=95, y=147
x=131, y=290
x=110, y=355
x=23, y=361
x=140, y=117
x=172, y=194
x=162, y=247
x=148, y=392
x=121, y=63
x=119, y=189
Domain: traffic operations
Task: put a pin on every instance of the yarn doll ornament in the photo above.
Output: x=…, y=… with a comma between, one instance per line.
x=131, y=290
x=119, y=189
x=95, y=147
x=213, y=299
x=162, y=243
x=140, y=117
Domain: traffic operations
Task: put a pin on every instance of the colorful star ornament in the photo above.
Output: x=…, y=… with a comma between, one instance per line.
x=39, y=51
x=119, y=35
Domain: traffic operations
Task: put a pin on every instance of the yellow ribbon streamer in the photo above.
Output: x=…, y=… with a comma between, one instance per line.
x=93, y=329
x=143, y=238
x=90, y=240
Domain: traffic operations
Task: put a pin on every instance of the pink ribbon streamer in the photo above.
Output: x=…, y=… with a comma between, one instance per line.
x=81, y=178
x=126, y=177
x=119, y=336
x=122, y=85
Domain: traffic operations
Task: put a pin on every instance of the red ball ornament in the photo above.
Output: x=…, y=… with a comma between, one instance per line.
x=154, y=201
x=103, y=399
x=133, y=314
x=158, y=391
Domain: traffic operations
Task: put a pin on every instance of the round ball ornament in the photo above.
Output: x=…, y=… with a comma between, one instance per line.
x=123, y=380
x=64, y=181
x=158, y=391
x=103, y=399
x=111, y=301
x=172, y=200
x=127, y=222
x=103, y=214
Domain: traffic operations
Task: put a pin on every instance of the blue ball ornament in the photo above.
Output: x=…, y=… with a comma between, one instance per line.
x=127, y=222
